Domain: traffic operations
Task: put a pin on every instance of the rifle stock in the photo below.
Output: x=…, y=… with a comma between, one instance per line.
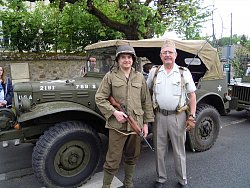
x=130, y=119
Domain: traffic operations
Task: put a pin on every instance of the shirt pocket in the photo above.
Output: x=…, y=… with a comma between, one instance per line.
x=139, y=117
x=176, y=87
x=157, y=86
x=136, y=89
x=118, y=88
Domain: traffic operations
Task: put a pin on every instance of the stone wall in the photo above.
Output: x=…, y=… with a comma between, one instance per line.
x=45, y=66
x=41, y=66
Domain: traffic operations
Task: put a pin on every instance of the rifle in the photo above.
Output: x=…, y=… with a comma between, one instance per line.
x=130, y=119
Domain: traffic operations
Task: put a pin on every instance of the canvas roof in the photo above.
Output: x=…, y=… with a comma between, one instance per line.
x=206, y=52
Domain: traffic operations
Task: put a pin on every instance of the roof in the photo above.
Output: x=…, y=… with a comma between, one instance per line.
x=202, y=48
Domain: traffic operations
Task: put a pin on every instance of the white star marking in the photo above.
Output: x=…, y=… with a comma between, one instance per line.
x=219, y=88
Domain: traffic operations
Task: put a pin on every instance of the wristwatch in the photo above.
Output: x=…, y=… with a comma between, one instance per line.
x=192, y=115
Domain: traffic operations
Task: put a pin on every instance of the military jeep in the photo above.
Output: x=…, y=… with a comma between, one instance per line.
x=62, y=118
x=240, y=93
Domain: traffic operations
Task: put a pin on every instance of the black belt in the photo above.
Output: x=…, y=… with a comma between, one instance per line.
x=167, y=112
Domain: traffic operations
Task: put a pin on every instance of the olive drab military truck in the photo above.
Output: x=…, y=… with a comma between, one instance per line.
x=203, y=62
x=63, y=119
x=240, y=92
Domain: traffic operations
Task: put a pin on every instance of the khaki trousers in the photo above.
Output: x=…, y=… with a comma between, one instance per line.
x=121, y=145
x=174, y=127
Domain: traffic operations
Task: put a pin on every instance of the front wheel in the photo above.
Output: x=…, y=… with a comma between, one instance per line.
x=207, y=128
x=67, y=155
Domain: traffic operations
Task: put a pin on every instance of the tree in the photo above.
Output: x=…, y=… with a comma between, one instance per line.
x=235, y=40
x=241, y=52
x=138, y=19
x=240, y=61
x=248, y=45
x=13, y=27
x=190, y=18
x=243, y=40
x=47, y=28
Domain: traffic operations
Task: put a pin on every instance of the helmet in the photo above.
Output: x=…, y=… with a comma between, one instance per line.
x=125, y=49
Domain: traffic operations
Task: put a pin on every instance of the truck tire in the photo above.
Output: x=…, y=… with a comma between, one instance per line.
x=207, y=128
x=67, y=155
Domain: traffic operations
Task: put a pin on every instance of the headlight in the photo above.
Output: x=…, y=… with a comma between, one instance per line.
x=25, y=104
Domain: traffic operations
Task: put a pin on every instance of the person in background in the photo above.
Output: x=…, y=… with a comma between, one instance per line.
x=6, y=94
x=248, y=71
x=173, y=91
x=128, y=86
x=146, y=68
x=107, y=64
x=92, y=64
x=83, y=70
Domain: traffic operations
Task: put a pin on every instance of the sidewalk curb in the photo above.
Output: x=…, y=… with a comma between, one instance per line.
x=16, y=174
x=96, y=181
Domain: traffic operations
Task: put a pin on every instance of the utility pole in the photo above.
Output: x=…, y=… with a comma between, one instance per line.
x=230, y=56
x=214, y=39
x=231, y=31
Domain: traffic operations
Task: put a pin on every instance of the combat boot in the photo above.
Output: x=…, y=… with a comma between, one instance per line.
x=107, y=180
x=129, y=173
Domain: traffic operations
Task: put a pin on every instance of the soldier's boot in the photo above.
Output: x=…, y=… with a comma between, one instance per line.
x=107, y=180
x=129, y=173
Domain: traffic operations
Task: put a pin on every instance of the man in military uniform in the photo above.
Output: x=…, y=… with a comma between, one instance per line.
x=170, y=85
x=128, y=87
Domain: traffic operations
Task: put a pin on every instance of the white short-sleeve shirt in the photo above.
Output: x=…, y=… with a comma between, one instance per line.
x=168, y=87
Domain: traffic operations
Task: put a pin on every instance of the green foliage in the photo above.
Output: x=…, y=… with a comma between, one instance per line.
x=243, y=40
x=14, y=29
x=132, y=18
x=238, y=68
x=46, y=28
x=145, y=19
x=189, y=18
x=242, y=49
x=240, y=61
x=72, y=25
x=228, y=40
x=248, y=45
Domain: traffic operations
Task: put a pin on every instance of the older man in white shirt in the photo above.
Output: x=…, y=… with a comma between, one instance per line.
x=171, y=85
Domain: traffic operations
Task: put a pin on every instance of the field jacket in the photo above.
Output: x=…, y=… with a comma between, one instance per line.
x=132, y=92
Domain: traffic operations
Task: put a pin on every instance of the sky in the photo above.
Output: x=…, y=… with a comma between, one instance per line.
x=240, y=10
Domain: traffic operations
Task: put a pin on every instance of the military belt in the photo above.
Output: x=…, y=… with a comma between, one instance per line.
x=167, y=112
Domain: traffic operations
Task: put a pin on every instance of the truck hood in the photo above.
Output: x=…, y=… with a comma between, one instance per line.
x=55, y=85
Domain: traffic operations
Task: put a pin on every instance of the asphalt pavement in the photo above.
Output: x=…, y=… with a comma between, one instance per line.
x=225, y=165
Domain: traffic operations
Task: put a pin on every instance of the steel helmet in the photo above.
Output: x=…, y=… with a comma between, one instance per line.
x=125, y=49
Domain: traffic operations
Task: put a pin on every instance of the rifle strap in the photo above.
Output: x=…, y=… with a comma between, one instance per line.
x=124, y=133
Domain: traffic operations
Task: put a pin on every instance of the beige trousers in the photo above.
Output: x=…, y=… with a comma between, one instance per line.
x=174, y=127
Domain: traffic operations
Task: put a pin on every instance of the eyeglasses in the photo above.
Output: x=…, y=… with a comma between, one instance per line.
x=167, y=52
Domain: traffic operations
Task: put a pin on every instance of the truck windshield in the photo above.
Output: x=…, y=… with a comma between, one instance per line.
x=101, y=64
